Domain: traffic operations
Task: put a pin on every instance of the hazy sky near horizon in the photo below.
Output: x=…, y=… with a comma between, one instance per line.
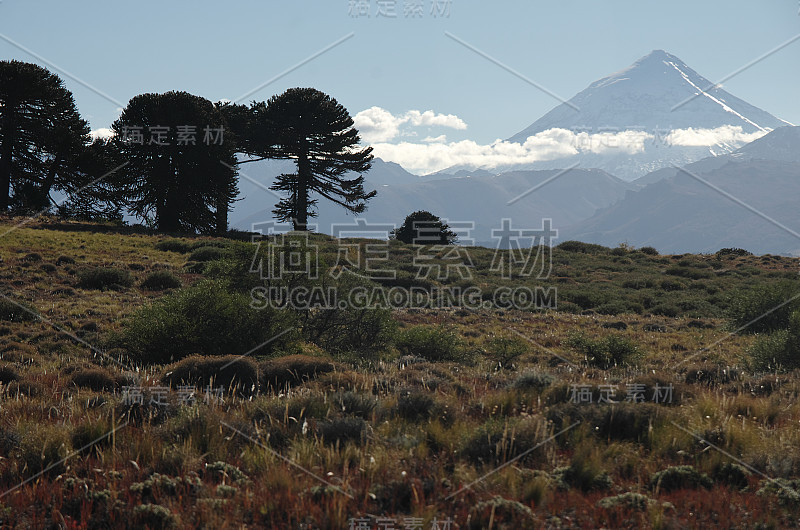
x=397, y=55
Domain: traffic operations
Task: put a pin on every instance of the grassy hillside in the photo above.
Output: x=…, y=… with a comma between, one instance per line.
x=142, y=388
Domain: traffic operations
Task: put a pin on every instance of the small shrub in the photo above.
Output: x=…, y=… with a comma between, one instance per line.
x=8, y=373
x=779, y=349
x=731, y=474
x=787, y=491
x=583, y=248
x=160, y=281
x=415, y=406
x=756, y=308
x=231, y=372
x=61, y=260
x=16, y=311
x=502, y=512
x=203, y=319
x=342, y=430
x=154, y=517
x=292, y=370
x=650, y=251
x=505, y=350
x=207, y=253
x=173, y=245
x=97, y=379
x=104, y=278
x=354, y=404
x=432, y=343
x=679, y=477
x=532, y=381
x=91, y=436
x=226, y=471
x=612, y=350
x=628, y=500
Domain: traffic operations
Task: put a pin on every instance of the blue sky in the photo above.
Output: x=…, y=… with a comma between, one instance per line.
x=402, y=63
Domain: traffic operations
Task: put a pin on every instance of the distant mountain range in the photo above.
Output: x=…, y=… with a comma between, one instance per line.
x=748, y=199
x=484, y=199
x=738, y=189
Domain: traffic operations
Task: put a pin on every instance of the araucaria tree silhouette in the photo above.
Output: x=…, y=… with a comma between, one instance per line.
x=316, y=131
x=181, y=172
x=42, y=136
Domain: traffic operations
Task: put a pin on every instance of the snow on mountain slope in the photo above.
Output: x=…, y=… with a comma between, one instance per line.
x=656, y=113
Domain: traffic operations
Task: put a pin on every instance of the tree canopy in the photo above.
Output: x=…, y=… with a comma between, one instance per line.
x=317, y=132
x=424, y=228
x=181, y=172
x=42, y=136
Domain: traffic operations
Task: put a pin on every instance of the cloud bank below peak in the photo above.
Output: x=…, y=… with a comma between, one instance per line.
x=549, y=145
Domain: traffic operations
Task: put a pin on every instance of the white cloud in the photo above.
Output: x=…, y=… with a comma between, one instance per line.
x=437, y=154
x=728, y=134
x=376, y=124
x=101, y=133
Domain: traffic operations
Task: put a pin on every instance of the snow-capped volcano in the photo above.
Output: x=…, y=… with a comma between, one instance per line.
x=653, y=94
x=653, y=114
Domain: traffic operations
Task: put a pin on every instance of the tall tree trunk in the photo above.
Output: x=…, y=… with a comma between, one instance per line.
x=168, y=217
x=222, y=213
x=301, y=203
x=6, y=150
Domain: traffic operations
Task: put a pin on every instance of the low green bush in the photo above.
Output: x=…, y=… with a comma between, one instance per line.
x=160, y=281
x=103, y=278
x=611, y=350
x=434, y=343
x=679, y=477
x=204, y=319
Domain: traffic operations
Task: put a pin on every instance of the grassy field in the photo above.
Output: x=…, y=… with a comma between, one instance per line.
x=140, y=388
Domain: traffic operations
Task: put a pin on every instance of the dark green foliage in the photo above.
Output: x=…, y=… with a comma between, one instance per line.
x=12, y=311
x=90, y=436
x=104, y=278
x=354, y=404
x=160, y=281
x=736, y=252
x=232, y=372
x=172, y=184
x=732, y=475
x=42, y=137
x=583, y=248
x=293, y=369
x=533, y=381
x=611, y=350
x=205, y=319
x=583, y=473
x=650, y=251
x=415, y=405
x=8, y=373
x=505, y=350
x=342, y=430
x=628, y=500
x=173, y=245
x=207, y=254
x=424, y=228
x=97, y=379
x=769, y=305
x=679, y=477
x=154, y=517
x=779, y=349
x=434, y=343
x=317, y=132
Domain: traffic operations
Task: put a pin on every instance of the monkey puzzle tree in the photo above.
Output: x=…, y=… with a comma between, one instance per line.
x=42, y=135
x=180, y=173
x=317, y=132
